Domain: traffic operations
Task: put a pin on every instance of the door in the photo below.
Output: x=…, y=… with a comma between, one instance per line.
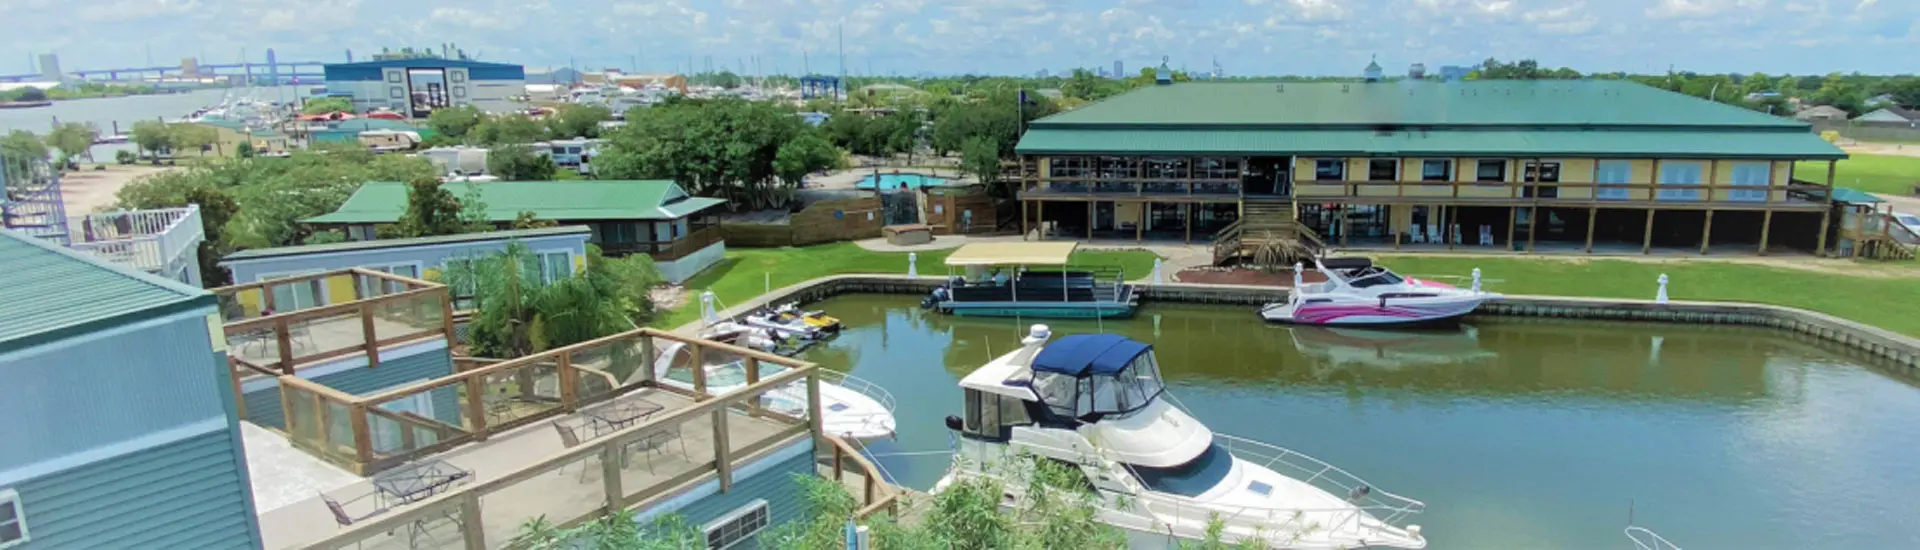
x=296, y=296
x=901, y=207
x=1680, y=173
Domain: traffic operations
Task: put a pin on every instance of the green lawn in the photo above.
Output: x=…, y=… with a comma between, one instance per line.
x=1889, y=302
x=1871, y=173
x=744, y=274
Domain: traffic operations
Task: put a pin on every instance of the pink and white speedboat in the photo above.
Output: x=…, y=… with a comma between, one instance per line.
x=1358, y=293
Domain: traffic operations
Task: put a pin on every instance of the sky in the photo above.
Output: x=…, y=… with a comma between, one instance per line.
x=913, y=37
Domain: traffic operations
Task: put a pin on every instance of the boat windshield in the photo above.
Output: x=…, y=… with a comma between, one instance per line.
x=1373, y=276
x=1197, y=476
x=1090, y=397
x=729, y=374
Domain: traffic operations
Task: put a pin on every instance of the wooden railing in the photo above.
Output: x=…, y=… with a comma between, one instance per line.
x=876, y=494
x=476, y=528
x=1795, y=192
x=383, y=310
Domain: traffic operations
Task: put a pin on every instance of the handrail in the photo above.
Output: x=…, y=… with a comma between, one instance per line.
x=871, y=503
x=1646, y=539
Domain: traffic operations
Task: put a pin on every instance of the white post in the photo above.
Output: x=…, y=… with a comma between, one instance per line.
x=1476, y=280
x=1298, y=280
x=913, y=268
x=1661, y=298
x=1157, y=280
x=769, y=289
x=707, y=314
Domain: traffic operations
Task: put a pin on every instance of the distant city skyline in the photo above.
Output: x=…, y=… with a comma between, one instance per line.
x=915, y=37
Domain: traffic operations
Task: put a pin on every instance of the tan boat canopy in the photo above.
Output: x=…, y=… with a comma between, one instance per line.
x=991, y=254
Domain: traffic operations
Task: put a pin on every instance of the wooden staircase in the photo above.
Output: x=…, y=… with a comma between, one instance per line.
x=1265, y=224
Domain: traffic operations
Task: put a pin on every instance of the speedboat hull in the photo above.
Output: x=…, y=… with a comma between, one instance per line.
x=1378, y=313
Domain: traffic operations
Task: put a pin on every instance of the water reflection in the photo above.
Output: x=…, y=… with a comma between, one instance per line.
x=1516, y=433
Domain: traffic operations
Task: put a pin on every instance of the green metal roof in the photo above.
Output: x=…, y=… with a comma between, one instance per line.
x=1649, y=143
x=1855, y=196
x=571, y=200
x=351, y=246
x=1435, y=104
x=48, y=292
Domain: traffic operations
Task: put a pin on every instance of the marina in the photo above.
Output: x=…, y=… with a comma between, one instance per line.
x=1514, y=433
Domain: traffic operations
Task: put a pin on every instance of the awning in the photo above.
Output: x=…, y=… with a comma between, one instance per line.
x=1083, y=354
x=1854, y=196
x=1012, y=254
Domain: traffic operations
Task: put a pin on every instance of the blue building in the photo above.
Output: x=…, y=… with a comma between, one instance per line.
x=121, y=430
x=417, y=86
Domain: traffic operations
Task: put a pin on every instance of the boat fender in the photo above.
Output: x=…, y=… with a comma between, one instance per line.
x=954, y=423
x=1358, y=494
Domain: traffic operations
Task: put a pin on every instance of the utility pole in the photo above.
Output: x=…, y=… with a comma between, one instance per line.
x=806, y=65
x=841, y=31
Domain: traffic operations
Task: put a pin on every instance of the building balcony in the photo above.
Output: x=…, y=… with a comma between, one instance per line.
x=278, y=326
x=1794, y=195
x=163, y=242
x=564, y=435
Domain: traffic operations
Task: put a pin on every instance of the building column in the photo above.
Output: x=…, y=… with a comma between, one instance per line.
x=1452, y=220
x=1345, y=227
x=1706, y=233
x=1593, y=215
x=1820, y=243
x=1186, y=214
x=1023, y=220
x=1646, y=239
x=1140, y=225
x=1766, y=227
x=1090, y=218
x=1533, y=222
x=1513, y=215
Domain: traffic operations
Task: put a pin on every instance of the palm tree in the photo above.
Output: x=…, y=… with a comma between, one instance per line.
x=518, y=311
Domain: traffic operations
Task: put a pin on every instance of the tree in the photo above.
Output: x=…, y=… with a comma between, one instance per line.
x=511, y=128
x=573, y=121
x=22, y=146
x=804, y=155
x=73, y=139
x=1836, y=91
x=980, y=158
x=520, y=311
x=1905, y=92
x=192, y=137
x=473, y=210
x=519, y=163
x=719, y=148
x=325, y=105
x=30, y=94
x=152, y=136
x=431, y=210
x=455, y=122
x=216, y=209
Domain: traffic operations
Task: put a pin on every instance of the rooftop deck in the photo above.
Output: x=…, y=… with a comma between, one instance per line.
x=633, y=442
x=164, y=242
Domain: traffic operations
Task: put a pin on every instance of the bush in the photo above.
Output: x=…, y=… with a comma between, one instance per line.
x=124, y=157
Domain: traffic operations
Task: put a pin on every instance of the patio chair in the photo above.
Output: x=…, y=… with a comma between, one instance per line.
x=1418, y=235
x=1433, y=234
x=656, y=441
x=1486, y=235
x=570, y=439
x=344, y=519
x=1456, y=234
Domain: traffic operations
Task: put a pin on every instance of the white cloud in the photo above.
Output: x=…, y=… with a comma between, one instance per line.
x=1702, y=8
x=122, y=10
x=473, y=19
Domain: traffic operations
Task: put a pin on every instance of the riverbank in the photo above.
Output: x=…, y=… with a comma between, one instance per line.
x=1880, y=295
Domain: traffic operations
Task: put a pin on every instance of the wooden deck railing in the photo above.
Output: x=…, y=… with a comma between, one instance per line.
x=1795, y=192
x=383, y=310
x=465, y=503
x=876, y=493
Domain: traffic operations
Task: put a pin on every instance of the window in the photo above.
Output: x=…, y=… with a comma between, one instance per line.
x=13, y=520
x=555, y=266
x=1330, y=169
x=1612, y=171
x=1383, y=170
x=370, y=287
x=1491, y=171
x=737, y=526
x=396, y=92
x=1751, y=174
x=393, y=76
x=1436, y=170
x=295, y=296
x=1542, y=172
x=1680, y=173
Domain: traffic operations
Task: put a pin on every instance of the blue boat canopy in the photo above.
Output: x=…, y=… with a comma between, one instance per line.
x=1084, y=354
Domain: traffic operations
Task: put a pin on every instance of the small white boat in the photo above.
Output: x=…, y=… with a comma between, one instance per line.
x=850, y=407
x=1097, y=404
x=1358, y=293
x=757, y=339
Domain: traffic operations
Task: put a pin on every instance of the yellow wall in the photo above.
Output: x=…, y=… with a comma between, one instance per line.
x=1127, y=212
x=250, y=302
x=340, y=290
x=1575, y=171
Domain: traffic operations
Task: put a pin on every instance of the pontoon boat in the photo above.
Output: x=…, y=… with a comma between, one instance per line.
x=1357, y=292
x=997, y=282
x=1097, y=402
x=850, y=407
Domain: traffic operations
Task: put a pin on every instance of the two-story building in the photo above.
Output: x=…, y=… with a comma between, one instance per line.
x=120, y=431
x=1536, y=166
x=653, y=217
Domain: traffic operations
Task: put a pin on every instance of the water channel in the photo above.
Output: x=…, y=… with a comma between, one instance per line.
x=1515, y=433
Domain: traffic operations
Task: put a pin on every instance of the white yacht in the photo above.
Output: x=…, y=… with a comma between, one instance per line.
x=1356, y=292
x=1097, y=402
x=850, y=407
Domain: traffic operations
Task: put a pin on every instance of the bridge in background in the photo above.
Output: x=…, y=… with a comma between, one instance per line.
x=271, y=71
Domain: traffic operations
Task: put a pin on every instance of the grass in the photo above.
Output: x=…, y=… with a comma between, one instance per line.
x=745, y=273
x=1888, y=302
x=1890, y=174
